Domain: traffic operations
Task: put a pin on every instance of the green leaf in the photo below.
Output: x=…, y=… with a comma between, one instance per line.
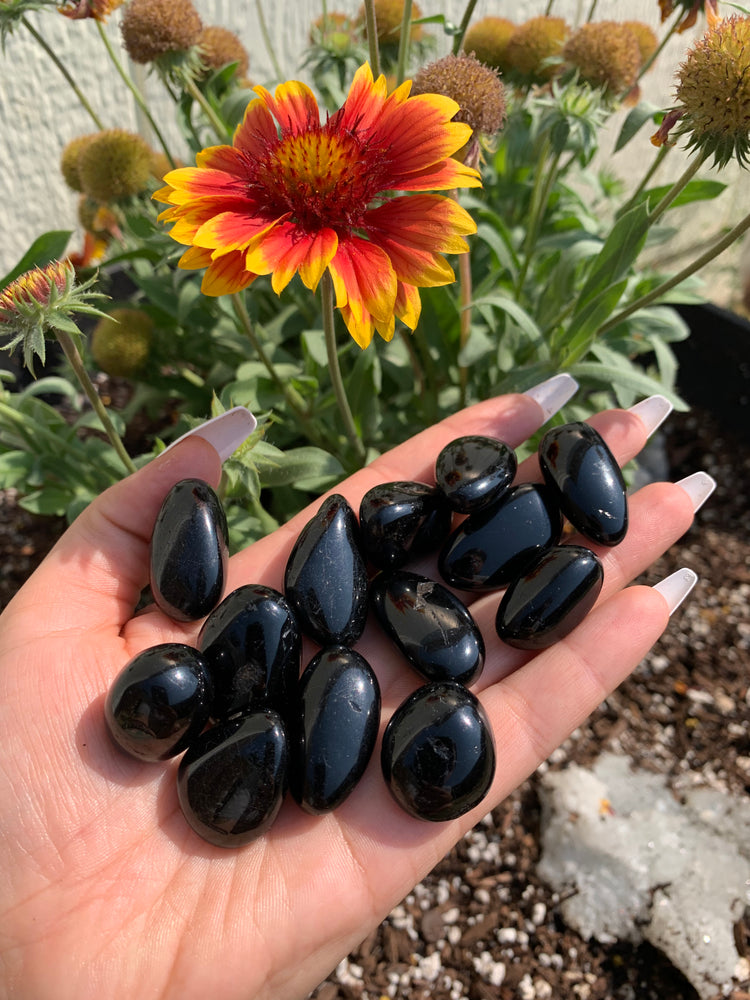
x=626, y=375
x=45, y=248
x=50, y=501
x=299, y=466
x=477, y=347
x=585, y=323
x=637, y=118
x=516, y=312
x=15, y=467
x=620, y=249
x=695, y=190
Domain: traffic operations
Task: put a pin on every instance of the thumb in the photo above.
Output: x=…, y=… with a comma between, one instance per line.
x=94, y=575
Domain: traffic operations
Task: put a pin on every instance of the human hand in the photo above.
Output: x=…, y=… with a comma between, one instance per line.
x=108, y=893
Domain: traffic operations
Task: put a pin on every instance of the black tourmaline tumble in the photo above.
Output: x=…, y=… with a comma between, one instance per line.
x=189, y=551
x=251, y=644
x=474, y=471
x=232, y=780
x=438, y=754
x=326, y=576
x=583, y=472
x=401, y=521
x=542, y=607
x=430, y=625
x=159, y=701
x=333, y=728
x=491, y=548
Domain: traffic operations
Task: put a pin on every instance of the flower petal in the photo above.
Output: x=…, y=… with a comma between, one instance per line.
x=195, y=258
x=364, y=103
x=360, y=326
x=293, y=105
x=424, y=221
x=226, y=275
x=408, y=304
x=286, y=249
x=363, y=278
x=187, y=183
x=230, y=231
x=257, y=130
x=416, y=267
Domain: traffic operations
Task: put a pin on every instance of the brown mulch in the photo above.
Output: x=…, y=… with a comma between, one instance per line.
x=483, y=925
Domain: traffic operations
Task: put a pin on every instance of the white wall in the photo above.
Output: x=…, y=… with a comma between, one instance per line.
x=39, y=113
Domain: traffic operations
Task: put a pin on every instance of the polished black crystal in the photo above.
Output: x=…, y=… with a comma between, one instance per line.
x=232, y=780
x=159, y=702
x=542, y=607
x=326, y=576
x=430, y=625
x=333, y=728
x=401, y=521
x=251, y=644
x=474, y=471
x=438, y=754
x=577, y=464
x=189, y=551
x=494, y=546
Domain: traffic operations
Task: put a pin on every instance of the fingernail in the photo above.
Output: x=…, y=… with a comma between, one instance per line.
x=652, y=411
x=553, y=393
x=675, y=588
x=699, y=487
x=225, y=432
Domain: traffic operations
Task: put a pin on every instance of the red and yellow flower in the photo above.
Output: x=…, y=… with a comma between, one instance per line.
x=294, y=195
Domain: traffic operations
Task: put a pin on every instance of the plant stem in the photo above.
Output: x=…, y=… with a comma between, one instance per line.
x=464, y=277
x=267, y=40
x=550, y=5
x=403, y=42
x=592, y=8
x=416, y=365
x=657, y=162
x=64, y=70
x=545, y=178
x=680, y=184
x=137, y=95
x=660, y=47
x=372, y=37
x=459, y=37
x=334, y=369
x=76, y=363
x=222, y=132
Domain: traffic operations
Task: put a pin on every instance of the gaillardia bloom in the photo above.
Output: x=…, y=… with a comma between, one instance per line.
x=294, y=195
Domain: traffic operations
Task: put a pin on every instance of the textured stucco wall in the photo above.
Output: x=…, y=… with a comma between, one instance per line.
x=39, y=113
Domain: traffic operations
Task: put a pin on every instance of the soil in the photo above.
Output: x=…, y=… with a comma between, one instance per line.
x=685, y=713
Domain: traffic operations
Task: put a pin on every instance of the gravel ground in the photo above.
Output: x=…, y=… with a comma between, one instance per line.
x=483, y=925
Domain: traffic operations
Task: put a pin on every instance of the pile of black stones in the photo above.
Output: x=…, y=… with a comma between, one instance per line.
x=250, y=728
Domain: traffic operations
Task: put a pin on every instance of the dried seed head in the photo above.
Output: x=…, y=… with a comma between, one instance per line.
x=154, y=28
x=476, y=88
x=114, y=164
x=606, y=55
x=646, y=38
x=219, y=46
x=488, y=40
x=69, y=160
x=388, y=17
x=535, y=45
x=121, y=342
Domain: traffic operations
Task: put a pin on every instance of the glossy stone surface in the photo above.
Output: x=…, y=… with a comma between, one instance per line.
x=577, y=464
x=326, y=577
x=542, y=607
x=334, y=728
x=189, y=551
x=430, y=625
x=438, y=754
x=401, y=521
x=474, y=471
x=233, y=779
x=494, y=546
x=159, y=702
x=251, y=644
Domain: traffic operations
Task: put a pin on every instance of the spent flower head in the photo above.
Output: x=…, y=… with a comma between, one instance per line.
x=69, y=160
x=121, y=341
x=294, y=195
x=114, y=164
x=41, y=301
x=219, y=46
x=645, y=35
x=691, y=9
x=535, y=47
x=158, y=29
x=488, y=39
x=606, y=54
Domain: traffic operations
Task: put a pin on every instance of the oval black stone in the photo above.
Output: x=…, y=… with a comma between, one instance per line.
x=542, y=607
x=430, y=625
x=474, y=471
x=401, y=521
x=496, y=545
x=577, y=464
x=438, y=754
x=159, y=702
x=232, y=780
x=334, y=729
x=189, y=551
x=251, y=644
x=326, y=576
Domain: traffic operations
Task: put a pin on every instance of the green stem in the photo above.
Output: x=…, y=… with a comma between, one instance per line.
x=64, y=70
x=372, y=37
x=416, y=365
x=645, y=180
x=592, y=8
x=76, y=363
x=334, y=369
x=539, y=199
x=679, y=185
x=403, y=42
x=459, y=37
x=137, y=95
x=550, y=5
x=267, y=41
x=660, y=47
x=222, y=132
x=464, y=277
x=705, y=258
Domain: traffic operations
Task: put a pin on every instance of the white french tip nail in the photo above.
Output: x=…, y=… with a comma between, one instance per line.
x=652, y=411
x=554, y=393
x=699, y=486
x=225, y=432
x=675, y=588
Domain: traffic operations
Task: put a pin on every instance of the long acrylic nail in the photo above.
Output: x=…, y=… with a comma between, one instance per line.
x=699, y=486
x=225, y=432
x=675, y=588
x=652, y=411
x=553, y=393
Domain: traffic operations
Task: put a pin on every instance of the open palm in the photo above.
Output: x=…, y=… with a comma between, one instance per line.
x=106, y=892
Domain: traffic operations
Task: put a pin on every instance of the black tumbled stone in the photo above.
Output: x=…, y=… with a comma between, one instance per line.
x=542, y=607
x=401, y=521
x=577, y=464
x=474, y=471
